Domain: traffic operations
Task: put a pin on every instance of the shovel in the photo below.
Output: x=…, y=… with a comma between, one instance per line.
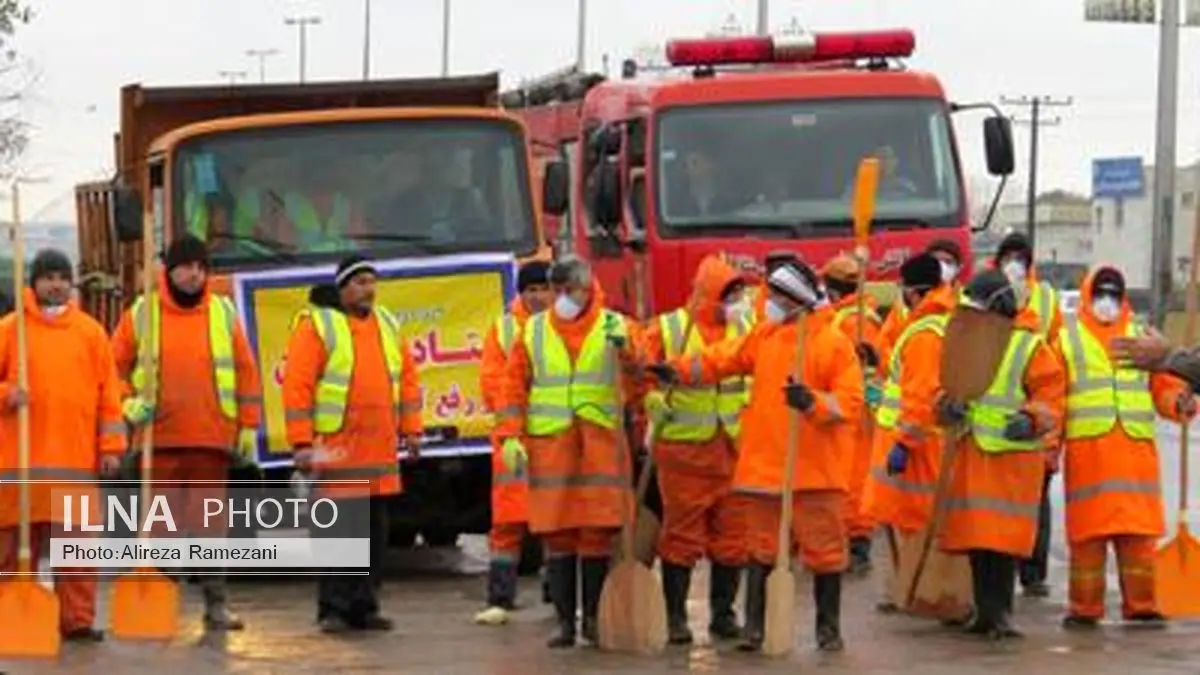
x=1177, y=563
x=29, y=611
x=632, y=616
x=779, y=629
x=145, y=604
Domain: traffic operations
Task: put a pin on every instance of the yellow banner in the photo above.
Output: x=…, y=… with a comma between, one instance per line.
x=445, y=309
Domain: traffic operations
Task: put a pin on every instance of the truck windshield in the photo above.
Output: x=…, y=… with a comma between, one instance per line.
x=392, y=188
x=792, y=166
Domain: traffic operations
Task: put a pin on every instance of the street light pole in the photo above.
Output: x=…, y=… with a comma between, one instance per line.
x=581, y=37
x=302, y=23
x=764, y=17
x=1164, y=161
x=262, y=55
x=366, y=55
x=445, y=38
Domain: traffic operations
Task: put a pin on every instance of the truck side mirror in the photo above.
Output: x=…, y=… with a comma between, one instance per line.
x=998, y=145
x=556, y=188
x=127, y=214
x=605, y=196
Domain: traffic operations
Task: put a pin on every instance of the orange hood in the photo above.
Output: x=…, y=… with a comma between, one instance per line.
x=941, y=300
x=713, y=276
x=1104, y=332
x=578, y=327
x=33, y=310
x=168, y=303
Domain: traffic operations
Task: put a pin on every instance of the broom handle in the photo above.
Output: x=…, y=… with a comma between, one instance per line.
x=940, y=502
x=148, y=355
x=1189, y=333
x=652, y=431
x=25, y=552
x=789, y=465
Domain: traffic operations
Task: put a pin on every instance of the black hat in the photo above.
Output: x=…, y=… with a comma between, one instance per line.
x=948, y=246
x=921, y=272
x=50, y=261
x=1108, y=281
x=533, y=273
x=351, y=267
x=186, y=250
x=990, y=291
x=1018, y=244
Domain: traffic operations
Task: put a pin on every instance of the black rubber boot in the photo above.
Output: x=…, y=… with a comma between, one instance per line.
x=827, y=595
x=502, y=584
x=984, y=619
x=561, y=575
x=756, y=607
x=1004, y=586
x=860, y=555
x=677, y=580
x=722, y=591
x=594, y=572
x=1147, y=620
x=1074, y=622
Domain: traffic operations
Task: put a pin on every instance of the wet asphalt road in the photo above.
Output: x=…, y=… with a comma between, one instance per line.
x=434, y=594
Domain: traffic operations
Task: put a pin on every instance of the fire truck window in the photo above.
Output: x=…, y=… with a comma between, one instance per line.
x=383, y=188
x=792, y=165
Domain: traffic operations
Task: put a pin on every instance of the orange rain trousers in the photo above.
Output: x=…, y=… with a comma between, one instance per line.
x=505, y=540
x=818, y=529
x=1135, y=564
x=76, y=592
x=180, y=470
x=700, y=515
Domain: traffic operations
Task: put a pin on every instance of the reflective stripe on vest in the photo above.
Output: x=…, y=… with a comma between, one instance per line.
x=222, y=317
x=697, y=411
x=1044, y=301
x=333, y=388
x=1096, y=396
x=989, y=414
x=849, y=311
x=560, y=390
x=888, y=414
x=506, y=331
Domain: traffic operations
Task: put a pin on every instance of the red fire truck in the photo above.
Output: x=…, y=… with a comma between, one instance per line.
x=748, y=145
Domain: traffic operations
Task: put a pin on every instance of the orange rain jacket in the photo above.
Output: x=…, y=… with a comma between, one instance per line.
x=830, y=368
x=893, y=325
x=905, y=501
x=994, y=498
x=188, y=413
x=367, y=444
x=510, y=492
x=1115, y=458
x=578, y=479
x=74, y=408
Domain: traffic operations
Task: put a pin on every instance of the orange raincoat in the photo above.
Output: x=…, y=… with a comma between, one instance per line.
x=831, y=369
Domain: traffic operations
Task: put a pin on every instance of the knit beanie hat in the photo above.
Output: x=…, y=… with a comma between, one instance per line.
x=186, y=250
x=533, y=273
x=351, y=267
x=49, y=261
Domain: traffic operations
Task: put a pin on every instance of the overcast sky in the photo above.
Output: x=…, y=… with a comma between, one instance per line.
x=85, y=50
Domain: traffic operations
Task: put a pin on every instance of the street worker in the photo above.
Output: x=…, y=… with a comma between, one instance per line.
x=1152, y=351
x=908, y=443
x=510, y=491
x=351, y=397
x=567, y=379
x=840, y=277
x=829, y=398
x=771, y=262
x=1111, y=476
x=1014, y=258
x=209, y=401
x=950, y=256
x=992, y=501
x=696, y=431
x=75, y=427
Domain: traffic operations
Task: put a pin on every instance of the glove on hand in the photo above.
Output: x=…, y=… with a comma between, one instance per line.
x=897, y=459
x=867, y=356
x=950, y=413
x=799, y=396
x=1019, y=427
x=515, y=455
x=1185, y=405
x=613, y=332
x=137, y=410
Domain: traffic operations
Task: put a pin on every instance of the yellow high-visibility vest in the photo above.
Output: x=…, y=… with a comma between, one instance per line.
x=506, y=331
x=222, y=318
x=1044, y=301
x=561, y=390
x=333, y=388
x=1006, y=395
x=697, y=411
x=849, y=311
x=1099, y=395
x=888, y=414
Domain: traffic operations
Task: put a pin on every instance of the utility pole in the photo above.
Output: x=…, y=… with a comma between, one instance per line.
x=232, y=75
x=764, y=17
x=1035, y=122
x=445, y=38
x=262, y=55
x=302, y=23
x=581, y=37
x=1163, y=210
x=366, y=39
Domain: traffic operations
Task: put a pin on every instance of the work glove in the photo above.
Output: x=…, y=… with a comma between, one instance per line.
x=657, y=407
x=950, y=413
x=613, y=333
x=137, y=410
x=1185, y=405
x=247, y=445
x=897, y=459
x=16, y=398
x=867, y=356
x=515, y=455
x=1019, y=427
x=873, y=392
x=799, y=396
x=663, y=373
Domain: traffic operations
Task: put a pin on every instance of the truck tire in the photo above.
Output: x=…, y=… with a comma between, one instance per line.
x=438, y=537
x=532, y=555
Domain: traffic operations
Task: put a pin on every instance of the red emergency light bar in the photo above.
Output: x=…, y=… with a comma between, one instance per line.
x=798, y=49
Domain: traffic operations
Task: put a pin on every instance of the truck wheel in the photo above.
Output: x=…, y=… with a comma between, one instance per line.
x=532, y=554
x=436, y=537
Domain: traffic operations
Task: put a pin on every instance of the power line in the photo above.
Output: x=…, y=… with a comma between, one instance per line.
x=302, y=23
x=262, y=55
x=1035, y=122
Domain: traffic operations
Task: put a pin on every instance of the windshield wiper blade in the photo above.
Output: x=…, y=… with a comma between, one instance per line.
x=389, y=236
x=783, y=230
x=899, y=223
x=265, y=247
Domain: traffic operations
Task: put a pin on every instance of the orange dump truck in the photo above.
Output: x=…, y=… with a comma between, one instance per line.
x=282, y=181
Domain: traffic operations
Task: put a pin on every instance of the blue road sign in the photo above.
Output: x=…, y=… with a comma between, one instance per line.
x=1118, y=177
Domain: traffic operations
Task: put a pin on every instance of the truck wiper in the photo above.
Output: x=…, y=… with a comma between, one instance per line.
x=258, y=245
x=901, y=223
x=781, y=230
x=389, y=236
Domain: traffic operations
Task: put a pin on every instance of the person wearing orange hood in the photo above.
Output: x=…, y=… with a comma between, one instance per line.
x=75, y=426
x=351, y=397
x=1111, y=477
x=828, y=399
x=996, y=485
x=569, y=376
x=209, y=404
x=510, y=491
x=695, y=451
x=840, y=276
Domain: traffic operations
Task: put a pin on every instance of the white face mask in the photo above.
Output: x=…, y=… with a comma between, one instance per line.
x=1015, y=271
x=775, y=312
x=735, y=312
x=51, y=311
x=1106, y=309
x=566, y=308
x=949, y=271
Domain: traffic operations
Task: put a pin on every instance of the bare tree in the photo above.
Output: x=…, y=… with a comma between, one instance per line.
x=16, y=79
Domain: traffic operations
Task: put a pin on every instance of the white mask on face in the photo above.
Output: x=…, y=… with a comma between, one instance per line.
x=51, y=311
x=949, y=271
x=566, y=308
x=1106, y=309
x=1015, y=270
x=775, y=312
x=735, y=312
